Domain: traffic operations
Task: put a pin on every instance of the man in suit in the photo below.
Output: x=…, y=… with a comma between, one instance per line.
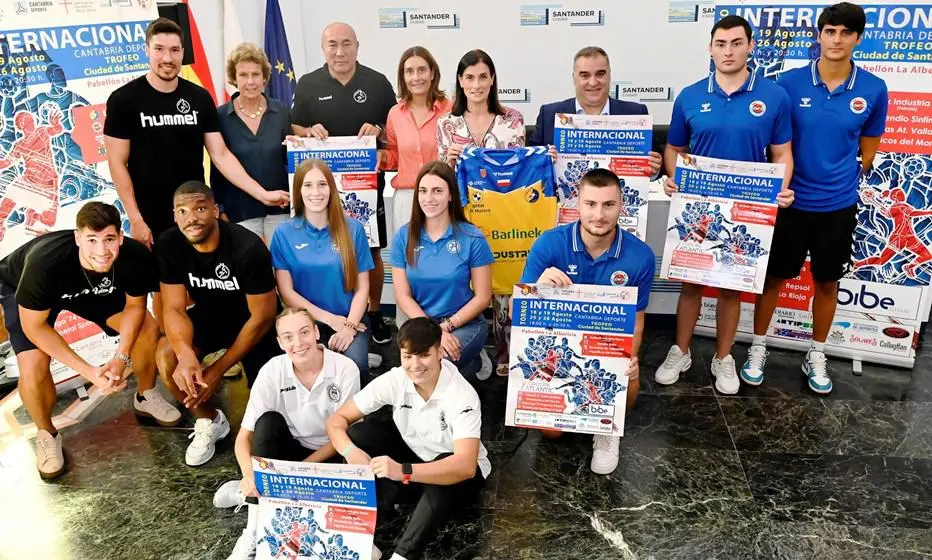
x=592, y=77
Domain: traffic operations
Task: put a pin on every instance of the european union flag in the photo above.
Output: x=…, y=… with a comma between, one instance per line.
x=282, y=82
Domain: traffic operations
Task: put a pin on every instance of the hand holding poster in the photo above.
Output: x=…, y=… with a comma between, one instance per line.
x=721, y=222
x=570, y=351
x=354, y=163
x=314, y=510
x=619, y=143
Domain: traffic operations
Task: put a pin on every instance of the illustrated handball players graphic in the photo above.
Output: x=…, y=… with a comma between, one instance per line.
x=37, y=187
x=903, y=238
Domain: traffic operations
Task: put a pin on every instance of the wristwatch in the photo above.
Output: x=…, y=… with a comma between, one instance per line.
x=124, y=358
x=406, y=472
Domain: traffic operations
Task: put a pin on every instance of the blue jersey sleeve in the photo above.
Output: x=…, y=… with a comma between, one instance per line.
x=363, y=253
x=399, y=248
x=783, y=122
x=876, y=123
x=480, y=254
x=539, y=259
x=462, y=180
x=279, y=249
x=645, y=280
x=548, y=177
x=678, y=134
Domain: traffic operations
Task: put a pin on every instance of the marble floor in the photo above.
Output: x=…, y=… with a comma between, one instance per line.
x=773, y=472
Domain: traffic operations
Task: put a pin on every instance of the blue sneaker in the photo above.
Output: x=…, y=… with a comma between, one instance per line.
x=814, y=367
x=752, y=372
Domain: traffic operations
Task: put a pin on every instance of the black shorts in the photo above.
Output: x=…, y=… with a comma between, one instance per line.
x=211, y=335
x=380, y=214
x=18, y=339
x=826, y=237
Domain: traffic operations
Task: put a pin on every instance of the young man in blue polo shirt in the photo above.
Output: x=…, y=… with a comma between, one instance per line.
x=732, y=114
x=594, y=250
x=838, y=111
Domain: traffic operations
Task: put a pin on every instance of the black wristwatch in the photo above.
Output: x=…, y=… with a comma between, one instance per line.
x=406, y=472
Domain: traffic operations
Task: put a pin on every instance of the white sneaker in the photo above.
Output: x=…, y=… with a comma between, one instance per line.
x=50, y=459
x=487, y=368
x=752, y=372
x=395, y=556
x=815, y=368
x=675, y=363
x=376, y=553
x=375, y=360
x=726, y=377
x=228, y=495
x=235, y=370
x=245, y=548
x=206, y=435
x=154, y=405
x=604, y=454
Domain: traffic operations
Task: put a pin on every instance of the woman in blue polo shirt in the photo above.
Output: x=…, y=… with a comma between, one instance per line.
x=435, y=257
x=322, y=263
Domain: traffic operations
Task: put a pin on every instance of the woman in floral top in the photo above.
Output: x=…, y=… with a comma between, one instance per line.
x=477, y=118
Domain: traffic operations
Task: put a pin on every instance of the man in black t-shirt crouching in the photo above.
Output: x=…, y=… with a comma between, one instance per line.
x=226, y=270
x=95, y=273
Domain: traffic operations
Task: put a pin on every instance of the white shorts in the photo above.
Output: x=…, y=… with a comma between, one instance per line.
x=264, y=227
x=402, y=203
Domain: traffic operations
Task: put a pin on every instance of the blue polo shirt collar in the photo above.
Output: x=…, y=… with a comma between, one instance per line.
x=748, y=85
x=315, y=231
x=580, y=247
x=446, y=234
x=817, y=79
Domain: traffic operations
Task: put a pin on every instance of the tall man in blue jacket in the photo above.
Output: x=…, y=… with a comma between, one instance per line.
x=592, y=78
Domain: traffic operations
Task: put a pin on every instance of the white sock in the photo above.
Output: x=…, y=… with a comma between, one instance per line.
x=397, y=556
x=759, y=340
x=817, y=347
x=252, y=521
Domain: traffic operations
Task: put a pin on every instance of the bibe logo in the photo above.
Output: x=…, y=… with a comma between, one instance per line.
x=601, y=410
x=863, y=298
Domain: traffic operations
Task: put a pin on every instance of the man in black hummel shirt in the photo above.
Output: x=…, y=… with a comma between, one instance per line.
x=226, y=270
x=156, y=130
x=95, y=273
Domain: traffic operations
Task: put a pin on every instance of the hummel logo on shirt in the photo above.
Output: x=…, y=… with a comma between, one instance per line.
x=706, y=107
x=805, y=102
x=327, y=98
x=292, y=388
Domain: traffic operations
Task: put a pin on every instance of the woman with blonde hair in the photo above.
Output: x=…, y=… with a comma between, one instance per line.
x=253, y=127
x=411, y=128
x=322, y=263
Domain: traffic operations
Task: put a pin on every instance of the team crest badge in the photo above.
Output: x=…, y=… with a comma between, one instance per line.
x=333, y=393
x=359, y=96
x=483, y=173
x=757, y=108
x=532, y=195
x=619, y=278
x=443, y=422
x=222, y=271
x=453, y=246
x=858, y=105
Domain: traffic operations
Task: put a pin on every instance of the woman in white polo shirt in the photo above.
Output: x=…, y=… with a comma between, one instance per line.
x=441, y=269
x=288, y=405
x=433, y=442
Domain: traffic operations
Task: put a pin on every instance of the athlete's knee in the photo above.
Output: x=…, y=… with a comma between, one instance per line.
x=165, y=359
x=691, y=291
x=33, y=368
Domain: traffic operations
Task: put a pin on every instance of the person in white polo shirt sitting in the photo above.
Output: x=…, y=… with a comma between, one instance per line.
x=432, y=446
x=288, y=405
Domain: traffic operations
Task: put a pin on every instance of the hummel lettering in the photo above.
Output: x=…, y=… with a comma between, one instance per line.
x=292, y=388
x=406, y=406
x=327, y=98
x=706, y=108
x=168, y=120
x=214, y=284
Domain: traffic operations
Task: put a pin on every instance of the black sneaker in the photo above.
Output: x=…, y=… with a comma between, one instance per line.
x=381, y=334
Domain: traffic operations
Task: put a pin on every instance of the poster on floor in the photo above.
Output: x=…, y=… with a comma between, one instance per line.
x=58, y=66
x=893, y=237
x=619, y=143
x=354, y=163
x=569, y=352
x=314, y=510
x=874, y=321
x=721, y=222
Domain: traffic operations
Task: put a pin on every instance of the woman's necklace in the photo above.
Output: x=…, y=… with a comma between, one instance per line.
x=242, y=109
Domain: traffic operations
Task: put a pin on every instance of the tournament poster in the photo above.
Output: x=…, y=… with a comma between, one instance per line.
x=314, y=510
x=569, y=353
x=619, y=143
x=721, y=222
x=354, y=163
x=59, y=62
